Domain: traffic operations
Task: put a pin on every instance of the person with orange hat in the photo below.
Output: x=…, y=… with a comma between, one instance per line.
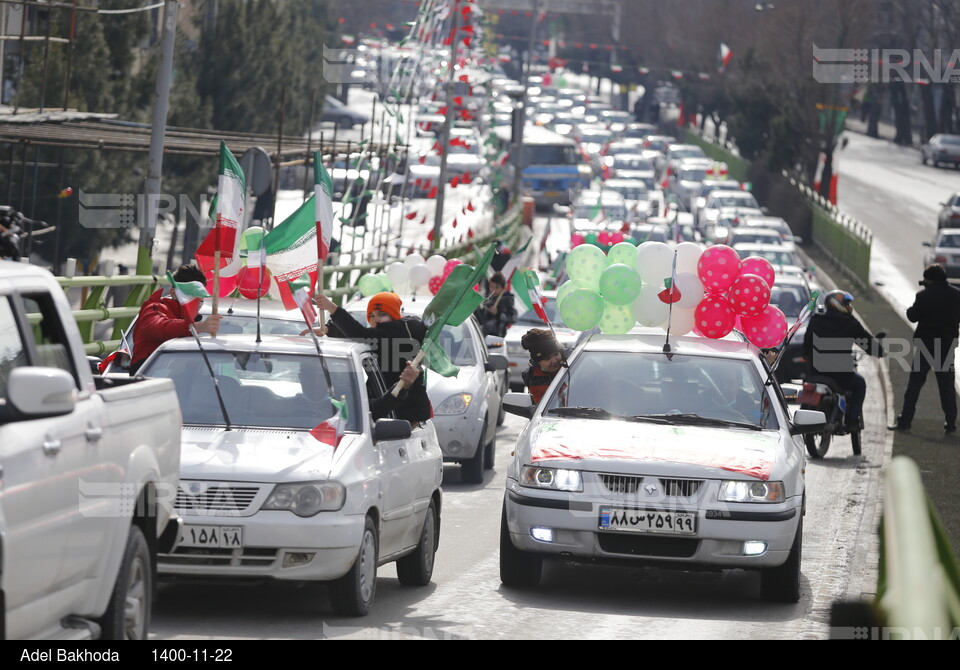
x=394, y=338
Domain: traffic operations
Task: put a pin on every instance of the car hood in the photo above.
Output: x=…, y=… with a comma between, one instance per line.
x=440, y=388
x=258, y=455
x=655, y=449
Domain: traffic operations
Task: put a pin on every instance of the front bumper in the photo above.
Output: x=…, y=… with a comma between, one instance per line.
x=271, y=538
x=459, y=434
x=718, y=543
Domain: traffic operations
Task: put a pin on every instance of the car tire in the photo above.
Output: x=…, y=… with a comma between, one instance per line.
x=490, y=453
x=345, y=122
x=818, y=444
x=782, y=583
x=501, y=413
x=923, y=159
x=518, y=569
x=353, y=593
x=128, y=615
x=855, y=442
x=416, y=568
x=471, y=469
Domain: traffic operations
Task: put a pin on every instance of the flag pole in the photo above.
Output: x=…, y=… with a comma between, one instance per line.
x=323, y=362
x=213, y=376
x=673, y=281
x=262, y=265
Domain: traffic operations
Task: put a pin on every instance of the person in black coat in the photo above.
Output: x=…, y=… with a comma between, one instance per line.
x=936, y=311
x=499, y=311
x=395, y=339
x=828, y=348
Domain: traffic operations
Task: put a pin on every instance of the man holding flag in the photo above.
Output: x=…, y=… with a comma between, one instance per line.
x=165, y=318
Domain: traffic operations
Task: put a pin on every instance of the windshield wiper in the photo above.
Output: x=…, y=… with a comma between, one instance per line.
x=584, y=412
x=697, y=420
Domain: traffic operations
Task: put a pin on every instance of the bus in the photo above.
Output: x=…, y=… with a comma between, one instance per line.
x=550, y=173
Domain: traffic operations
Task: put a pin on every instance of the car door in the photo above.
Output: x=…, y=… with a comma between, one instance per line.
x=394, y=457
x=489, y=389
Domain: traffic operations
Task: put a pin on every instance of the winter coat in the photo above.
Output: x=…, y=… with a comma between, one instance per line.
x=160, y=319
x=936, y=311
x=829, y=340
x=506, y=316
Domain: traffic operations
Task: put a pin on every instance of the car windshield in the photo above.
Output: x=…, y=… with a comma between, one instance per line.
x=693, y=175
x=688, y=152
x=597, y=137
x=680, y=389
x=632, y=192
x=650, y=234
x=951, y=241
x=772, y=255
x=592, y=212
x=751, y=237
x=247, y=325
x=735, y=201
x=625, y=163
x=789, y=298
x=954, y=141
x=268, y=390
x=546, y=154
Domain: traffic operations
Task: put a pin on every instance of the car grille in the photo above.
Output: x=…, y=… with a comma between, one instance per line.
x=648, y=545
x=216, y=500
x=629, y=484
x=249, y=557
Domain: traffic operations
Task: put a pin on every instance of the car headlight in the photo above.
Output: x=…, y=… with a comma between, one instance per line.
x=455, y=404
x=554, y=479
x=751, y=492
x=308, y=498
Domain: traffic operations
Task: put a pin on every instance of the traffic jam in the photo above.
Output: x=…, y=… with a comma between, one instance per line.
x=626, y=372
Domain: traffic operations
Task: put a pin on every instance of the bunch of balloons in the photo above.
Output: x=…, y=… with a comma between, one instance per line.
x=410, y=275
x=604, y=240
x=657, y=285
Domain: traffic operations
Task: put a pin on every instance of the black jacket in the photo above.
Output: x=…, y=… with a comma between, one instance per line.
x=829, y=340
x=394, y=343
x=936, y=311
x=497, y=324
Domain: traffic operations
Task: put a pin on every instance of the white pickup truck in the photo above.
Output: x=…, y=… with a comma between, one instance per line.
x=88, y=470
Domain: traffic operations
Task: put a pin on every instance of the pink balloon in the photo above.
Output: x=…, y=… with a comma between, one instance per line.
x=227, y=284
x=576, y=240
x=749, y=294
x=434, y=284
x=760, y=266
x=767, y=329
x=715, y=317
x=604, y=237
x=718, y=268
x=448, y=268
x=616, y=238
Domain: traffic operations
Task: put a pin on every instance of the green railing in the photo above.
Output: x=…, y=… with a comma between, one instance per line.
x=340, y=283
x=918, y=593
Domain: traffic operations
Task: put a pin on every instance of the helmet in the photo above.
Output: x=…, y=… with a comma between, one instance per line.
x=839, y=301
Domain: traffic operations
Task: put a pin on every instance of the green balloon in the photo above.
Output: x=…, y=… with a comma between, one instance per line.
x=251, y=238
x=592, y=238
x=624, y=252
x=585, y=263
x=617, y=319
x=386, y=284
x=581, y=309
x=620, y=284
x=369, y=285
x=565, y=289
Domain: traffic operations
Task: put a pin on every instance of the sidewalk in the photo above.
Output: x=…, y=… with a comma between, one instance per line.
x=937, y=456
x=885, y=129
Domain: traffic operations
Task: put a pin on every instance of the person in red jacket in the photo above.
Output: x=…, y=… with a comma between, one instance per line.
x=163, y=318
x=546, y=359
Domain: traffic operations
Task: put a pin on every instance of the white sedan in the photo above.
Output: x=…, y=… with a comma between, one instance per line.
x=270, y=488
x=683, y=458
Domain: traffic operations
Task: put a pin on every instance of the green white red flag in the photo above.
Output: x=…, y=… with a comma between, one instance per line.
x=723, y=59
x=528, y=290
x=228, y=224
x=291, y=252
x=305, y=303
x=331, y=431
x=323, y=194
x=189, y=295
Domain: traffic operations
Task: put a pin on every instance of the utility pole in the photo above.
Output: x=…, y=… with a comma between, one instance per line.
x=161, y=104
x=447, y=125
x=528, y=62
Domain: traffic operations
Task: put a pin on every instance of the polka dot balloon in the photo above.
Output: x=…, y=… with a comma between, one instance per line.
x=749, y=294
x=718, y=268
x=767, y=329
x=760, y=266
x=715, y=317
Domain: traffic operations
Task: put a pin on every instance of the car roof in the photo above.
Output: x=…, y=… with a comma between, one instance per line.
x=731, y=192
x=281, y=344
x=651, y=340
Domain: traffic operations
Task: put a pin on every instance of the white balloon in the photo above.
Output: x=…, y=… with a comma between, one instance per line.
x=436, y=263
x=682, y=320
x=648, y=308
x=420, y=275
x=399, y=275
x=654, y=262
x=691, y=290
x=688, y=255
x=413, y=260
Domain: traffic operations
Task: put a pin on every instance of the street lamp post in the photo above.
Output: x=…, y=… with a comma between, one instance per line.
x=518, y=168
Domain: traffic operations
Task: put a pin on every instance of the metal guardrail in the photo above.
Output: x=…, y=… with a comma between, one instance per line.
x=340, y=282
x=919, y=589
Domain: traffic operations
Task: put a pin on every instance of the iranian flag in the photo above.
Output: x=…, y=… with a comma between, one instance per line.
x=302, y=298
x=511, y=266
x=723, y=59
x=227, y=207
x=323, y=203
x=528, y=290
x=291, y=252
x=331, y=431
x=189, y=295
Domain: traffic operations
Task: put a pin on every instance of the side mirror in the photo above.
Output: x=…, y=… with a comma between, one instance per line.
x=926, y=244
x=562, y=210
x=36, y=393
x=391, y=429
x=94, y=363
x=520, y=404
x=807, y=422
x=764, y=210
x=797, y=239
x=494, y=343
x=497, y=362
x=791, y=393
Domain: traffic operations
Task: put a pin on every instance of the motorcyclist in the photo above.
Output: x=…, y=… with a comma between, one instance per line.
x=828, y=344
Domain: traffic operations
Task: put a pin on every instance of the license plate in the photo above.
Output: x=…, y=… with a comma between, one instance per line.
x=648, y=521
x=217, y=537
x=551, y=194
